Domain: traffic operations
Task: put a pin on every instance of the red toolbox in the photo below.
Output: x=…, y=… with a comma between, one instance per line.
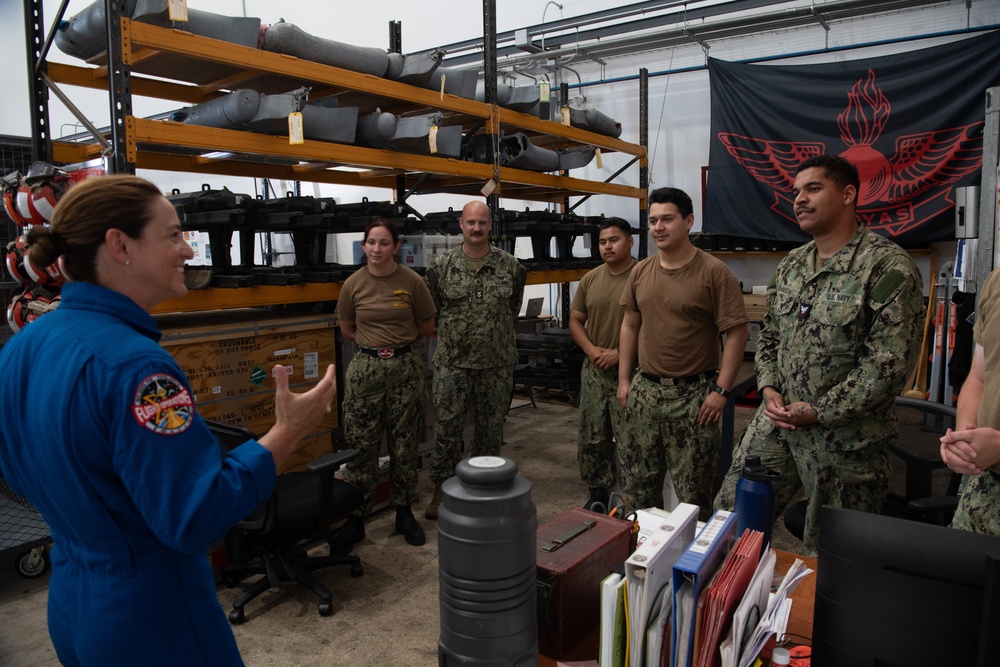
x=576, y=551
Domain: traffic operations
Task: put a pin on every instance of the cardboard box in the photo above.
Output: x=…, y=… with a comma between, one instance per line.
x=755, y=304
x=228, y=357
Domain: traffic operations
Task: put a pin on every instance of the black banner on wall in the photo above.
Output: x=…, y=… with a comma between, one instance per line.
x=911, y=122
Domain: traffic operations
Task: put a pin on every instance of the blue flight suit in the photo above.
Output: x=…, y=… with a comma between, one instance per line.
x=98, y=430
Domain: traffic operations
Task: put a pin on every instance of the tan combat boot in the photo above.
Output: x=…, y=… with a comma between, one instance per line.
x=432, y=507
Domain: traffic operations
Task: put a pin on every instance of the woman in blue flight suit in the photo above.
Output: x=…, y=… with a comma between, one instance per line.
x=99, y=431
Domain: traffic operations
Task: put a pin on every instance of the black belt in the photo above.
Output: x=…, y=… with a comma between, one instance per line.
x=384, y=352
x=671, y=382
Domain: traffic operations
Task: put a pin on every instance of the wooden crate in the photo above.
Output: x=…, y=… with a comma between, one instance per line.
x=755, y=305
x=228, y=357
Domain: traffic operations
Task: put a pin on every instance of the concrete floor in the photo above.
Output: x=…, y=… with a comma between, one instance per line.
x=390, y=615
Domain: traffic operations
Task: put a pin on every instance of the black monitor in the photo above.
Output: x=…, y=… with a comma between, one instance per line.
x=892, y=592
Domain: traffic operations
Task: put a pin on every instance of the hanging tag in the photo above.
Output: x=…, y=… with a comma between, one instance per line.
x=564, y=116
x=295, y=134
x=597, y=153
x=490, y=186
x=177, y=10
x=432, y=139
x=442, y=87
x=544, y=100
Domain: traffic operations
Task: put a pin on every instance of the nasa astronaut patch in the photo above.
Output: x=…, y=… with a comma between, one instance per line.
x=163, y=405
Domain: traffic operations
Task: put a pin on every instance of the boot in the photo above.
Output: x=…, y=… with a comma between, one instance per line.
x=598, y=501
x=407, y=526
x=343, y=539
x=432, y=507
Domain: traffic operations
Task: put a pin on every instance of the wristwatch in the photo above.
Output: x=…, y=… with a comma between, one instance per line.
x=725, y=393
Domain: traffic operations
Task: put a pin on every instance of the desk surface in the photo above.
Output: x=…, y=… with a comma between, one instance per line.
x=799, y=622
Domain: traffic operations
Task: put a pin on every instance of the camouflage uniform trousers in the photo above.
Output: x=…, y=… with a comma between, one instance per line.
x=979, y=505
x=488, y=390
x=384, y=396
x=664, y=436
x=602, y=422
x=833, y=467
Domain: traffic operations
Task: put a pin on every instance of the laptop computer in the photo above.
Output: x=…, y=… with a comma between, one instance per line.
x=534, y=308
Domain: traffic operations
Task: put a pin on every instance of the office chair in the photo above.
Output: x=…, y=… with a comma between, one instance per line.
x=272, y=541
x=921, y=486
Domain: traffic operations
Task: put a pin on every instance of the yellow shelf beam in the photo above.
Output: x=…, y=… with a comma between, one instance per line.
x=241, y=58
x=219, y=298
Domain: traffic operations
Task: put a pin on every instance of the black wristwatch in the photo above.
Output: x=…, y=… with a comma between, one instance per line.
x=725, y=393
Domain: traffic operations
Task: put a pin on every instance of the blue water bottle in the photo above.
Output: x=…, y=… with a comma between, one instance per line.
x=755, y=498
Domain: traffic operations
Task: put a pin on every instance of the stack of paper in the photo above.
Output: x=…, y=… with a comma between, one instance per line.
x=724, y=591
x=614, y=633
x=776, y=616
x=647, y=573
x=749, y=611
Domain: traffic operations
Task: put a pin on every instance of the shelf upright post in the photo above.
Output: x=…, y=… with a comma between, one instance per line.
x=119, y=89
x=38, y=92
x=396, y=46
x=643, y=162
x=564, y=287
x=490, y=97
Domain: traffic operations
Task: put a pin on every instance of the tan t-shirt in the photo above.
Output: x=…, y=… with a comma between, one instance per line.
x=385, y=310
x=683, y=312
x=986, y=332
x=597, y=296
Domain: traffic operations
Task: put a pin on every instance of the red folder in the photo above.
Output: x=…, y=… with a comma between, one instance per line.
x=724, y=592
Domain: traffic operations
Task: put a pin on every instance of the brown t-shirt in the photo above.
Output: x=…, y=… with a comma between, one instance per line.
x=385, y=310
x=986, y=332
x=683, y=312
x=597, y=296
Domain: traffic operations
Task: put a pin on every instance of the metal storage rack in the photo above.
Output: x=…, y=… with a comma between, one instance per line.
x=190, y=69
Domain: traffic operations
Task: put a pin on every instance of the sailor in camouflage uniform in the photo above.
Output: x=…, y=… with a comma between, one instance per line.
x=595, y=322
x=838, y=341
x=678, y=303
x=384, y=307
x=974, y=448
x=477, y=289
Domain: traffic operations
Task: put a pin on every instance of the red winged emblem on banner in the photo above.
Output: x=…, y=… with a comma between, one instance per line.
x=898, y=193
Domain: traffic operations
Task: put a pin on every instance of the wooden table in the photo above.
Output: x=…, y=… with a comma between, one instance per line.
x=799, y=621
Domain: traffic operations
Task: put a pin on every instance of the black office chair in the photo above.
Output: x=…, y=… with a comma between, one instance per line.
x=272, y=541
x=921, y=486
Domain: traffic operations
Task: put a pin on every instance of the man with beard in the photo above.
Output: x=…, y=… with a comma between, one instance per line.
x=838, y=341
x=477, y=289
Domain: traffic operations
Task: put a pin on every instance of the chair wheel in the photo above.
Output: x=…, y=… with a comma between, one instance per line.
x=228, y=581
x=33, y=563
x=325, y=609
x=357, y=569
x=237, y=617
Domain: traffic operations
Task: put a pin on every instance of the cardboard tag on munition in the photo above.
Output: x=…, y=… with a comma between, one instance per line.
x=295, y=132
x=177, y=10
x=432, y=139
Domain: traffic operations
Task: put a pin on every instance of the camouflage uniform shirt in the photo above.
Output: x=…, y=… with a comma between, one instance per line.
x=476, y=308
x=842, y=337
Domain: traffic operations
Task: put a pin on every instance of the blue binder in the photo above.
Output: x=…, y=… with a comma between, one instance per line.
x=691, y=574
